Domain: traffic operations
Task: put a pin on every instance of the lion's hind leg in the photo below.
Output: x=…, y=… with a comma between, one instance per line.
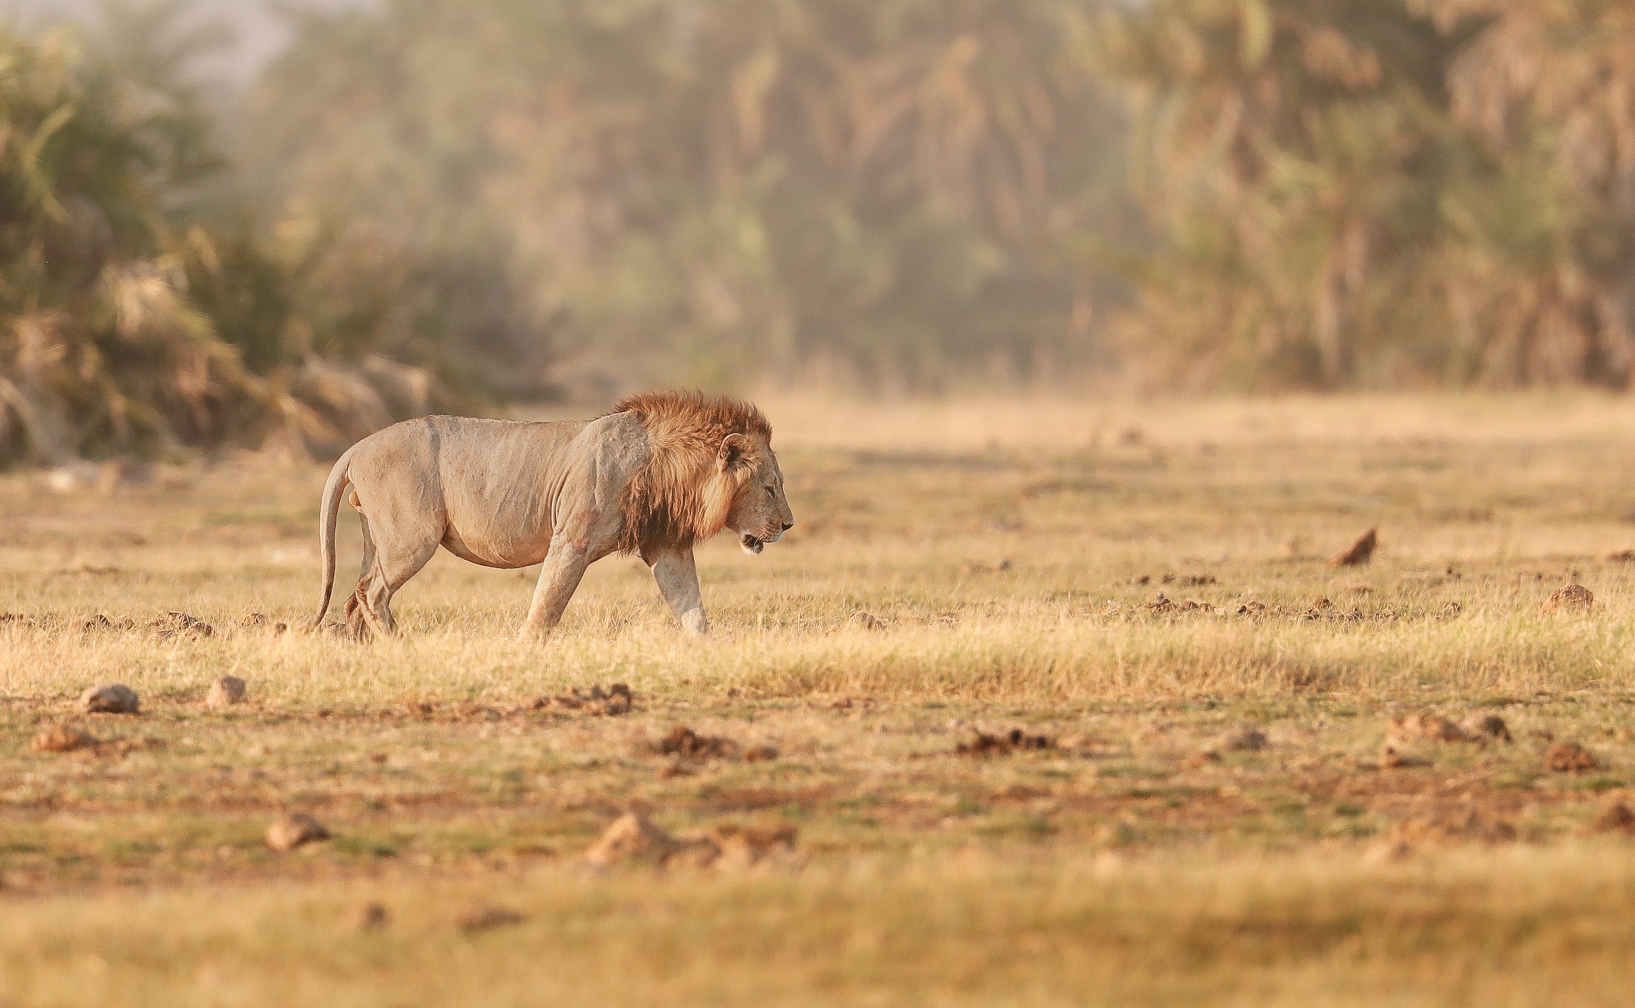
x=390, y=559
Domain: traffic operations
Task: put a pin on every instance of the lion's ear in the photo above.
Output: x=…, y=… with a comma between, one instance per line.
x=734, y=452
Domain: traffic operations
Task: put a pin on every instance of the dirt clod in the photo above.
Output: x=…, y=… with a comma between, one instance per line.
x=865, y=621
x=1573, y=598
x=1197, y=761
x=293, y=830
x=115, y=698
x=1614, y=817
x=486, y=918
x=373, y=917
x=595, y=702
x=1015, y=740
x=61, y=738
x=1570, y=757
x=225, y=692
x=1244, y=738
x=1393, y=757
x=1359, y=552
x=688, y=744
x=1490, y=726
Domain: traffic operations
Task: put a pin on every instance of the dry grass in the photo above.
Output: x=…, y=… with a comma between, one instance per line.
x=1137, y=858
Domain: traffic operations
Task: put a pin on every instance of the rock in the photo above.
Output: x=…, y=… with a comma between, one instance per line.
x=293, y=830
x=1487, y=726
x=225, y=692
x=1572, y=598
x=865, y=621
x=487, y=918
x=1615, y=817
x=373, y=917
x=61, y=738
x=1244, y=738
x=1570, y=757
x=1359, y=552
x=113, y=699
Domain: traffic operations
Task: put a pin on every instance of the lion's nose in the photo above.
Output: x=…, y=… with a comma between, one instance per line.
x=788, y=525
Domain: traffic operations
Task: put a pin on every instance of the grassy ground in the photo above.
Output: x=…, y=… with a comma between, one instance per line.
x=1013, y=555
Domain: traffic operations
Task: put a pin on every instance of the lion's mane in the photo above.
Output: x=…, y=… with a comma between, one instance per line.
x=679, y=494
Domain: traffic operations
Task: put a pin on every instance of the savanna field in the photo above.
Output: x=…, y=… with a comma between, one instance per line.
x=1112, y=729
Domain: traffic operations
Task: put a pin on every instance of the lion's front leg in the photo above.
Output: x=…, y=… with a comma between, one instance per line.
x=558, y=580
x=677, y=577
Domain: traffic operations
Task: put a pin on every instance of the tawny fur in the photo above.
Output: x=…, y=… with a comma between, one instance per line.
x=681, y=494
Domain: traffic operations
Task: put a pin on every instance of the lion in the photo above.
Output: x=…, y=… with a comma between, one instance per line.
x=661, y=472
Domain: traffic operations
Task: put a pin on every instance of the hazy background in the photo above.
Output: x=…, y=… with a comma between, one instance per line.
x=288, y=224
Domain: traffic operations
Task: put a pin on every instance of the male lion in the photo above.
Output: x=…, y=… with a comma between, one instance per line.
x=662, y=471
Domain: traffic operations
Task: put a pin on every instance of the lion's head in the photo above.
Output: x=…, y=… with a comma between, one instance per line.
x=759, y=512
x=711, y=468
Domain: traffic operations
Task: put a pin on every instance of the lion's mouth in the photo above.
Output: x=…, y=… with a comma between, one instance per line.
x=753, y=545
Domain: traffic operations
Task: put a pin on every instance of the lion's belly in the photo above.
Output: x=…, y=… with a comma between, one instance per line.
x=506, y=555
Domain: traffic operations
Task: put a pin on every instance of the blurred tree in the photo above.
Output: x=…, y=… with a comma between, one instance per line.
x=716, y=190
x=129, y=323
x=1382, y=192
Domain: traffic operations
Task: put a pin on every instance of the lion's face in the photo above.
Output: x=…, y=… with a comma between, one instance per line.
x=760, y=513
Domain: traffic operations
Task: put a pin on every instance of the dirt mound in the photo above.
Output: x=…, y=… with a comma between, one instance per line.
x=1015, y=740
x=1574, y=598
x=684, y=743
x=595, y=702
x=636, y=839
x=1359, y=552
x=1570, y=757
x=1453, y=828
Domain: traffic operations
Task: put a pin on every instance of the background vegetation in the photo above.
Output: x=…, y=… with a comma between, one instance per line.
x=420, y=203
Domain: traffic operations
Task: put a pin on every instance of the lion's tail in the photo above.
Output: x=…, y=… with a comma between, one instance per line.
x=328, y=512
